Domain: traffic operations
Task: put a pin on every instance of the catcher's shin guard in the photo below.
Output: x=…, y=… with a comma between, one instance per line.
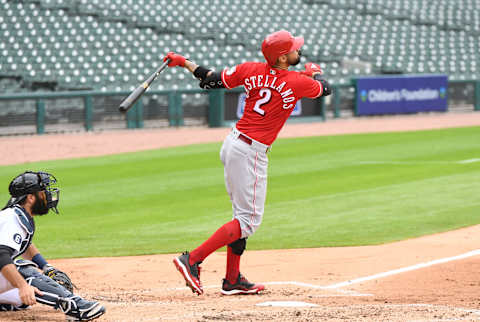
x=55, y=295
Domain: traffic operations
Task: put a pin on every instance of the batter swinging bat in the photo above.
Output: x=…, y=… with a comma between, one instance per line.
x=128, y=102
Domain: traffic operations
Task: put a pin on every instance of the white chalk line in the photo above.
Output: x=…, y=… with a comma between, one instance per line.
x=404, y=269
x=337, y=286
x=468, y=161
x=420, y=162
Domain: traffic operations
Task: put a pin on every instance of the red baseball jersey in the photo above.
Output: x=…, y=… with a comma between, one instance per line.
x=271, y=97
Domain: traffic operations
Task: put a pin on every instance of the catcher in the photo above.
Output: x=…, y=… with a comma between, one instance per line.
x=26, y=281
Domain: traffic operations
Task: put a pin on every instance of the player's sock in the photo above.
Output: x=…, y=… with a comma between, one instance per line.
x=233, y=266
x=225, y=235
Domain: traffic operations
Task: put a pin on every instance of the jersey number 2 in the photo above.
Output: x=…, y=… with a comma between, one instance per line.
x=266, y=94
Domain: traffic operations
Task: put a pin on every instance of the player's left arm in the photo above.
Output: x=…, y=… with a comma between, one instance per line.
x=33, y=254
x=207, y=77
x=323, y=88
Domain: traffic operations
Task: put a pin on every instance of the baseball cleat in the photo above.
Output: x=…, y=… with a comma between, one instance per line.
x=78, y=309
x=191, y=273
x=242, y=286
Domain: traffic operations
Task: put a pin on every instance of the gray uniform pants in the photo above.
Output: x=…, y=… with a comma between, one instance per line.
x=245, y=170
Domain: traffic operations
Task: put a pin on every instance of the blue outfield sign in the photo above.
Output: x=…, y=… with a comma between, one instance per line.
x=401, y=94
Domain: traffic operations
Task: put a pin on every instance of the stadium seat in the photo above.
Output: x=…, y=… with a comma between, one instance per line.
x=112, y=37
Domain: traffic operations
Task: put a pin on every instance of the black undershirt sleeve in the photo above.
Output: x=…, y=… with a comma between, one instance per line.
x=5, y=256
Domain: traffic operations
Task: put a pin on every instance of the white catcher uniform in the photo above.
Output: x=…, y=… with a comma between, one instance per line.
x=16, y=231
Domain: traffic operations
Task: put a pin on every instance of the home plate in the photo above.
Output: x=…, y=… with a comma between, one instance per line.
x=287, y=304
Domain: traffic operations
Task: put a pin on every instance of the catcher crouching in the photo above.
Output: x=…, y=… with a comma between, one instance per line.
x=24, y=282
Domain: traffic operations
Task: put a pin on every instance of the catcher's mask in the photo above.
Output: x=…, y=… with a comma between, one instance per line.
x=31, y=182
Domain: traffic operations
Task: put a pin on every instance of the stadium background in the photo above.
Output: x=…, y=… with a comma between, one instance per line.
x=66, y=65
x=108, y=47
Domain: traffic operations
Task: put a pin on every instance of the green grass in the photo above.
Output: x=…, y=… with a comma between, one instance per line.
x=320, y=193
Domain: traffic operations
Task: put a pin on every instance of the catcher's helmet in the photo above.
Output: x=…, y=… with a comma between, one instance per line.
x=30, y=182
x=279, y=43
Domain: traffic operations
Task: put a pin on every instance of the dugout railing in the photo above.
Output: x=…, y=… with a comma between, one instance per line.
x=53, y=112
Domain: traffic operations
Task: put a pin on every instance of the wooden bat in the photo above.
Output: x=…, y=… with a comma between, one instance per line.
x=131, y=99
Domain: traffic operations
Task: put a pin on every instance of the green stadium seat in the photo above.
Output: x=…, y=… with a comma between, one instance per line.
x=96, y=32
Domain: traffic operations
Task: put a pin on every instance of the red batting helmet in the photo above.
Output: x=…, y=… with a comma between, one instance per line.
x=279, y=43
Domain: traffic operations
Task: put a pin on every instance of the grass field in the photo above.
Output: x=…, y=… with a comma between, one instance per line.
x=322, y=191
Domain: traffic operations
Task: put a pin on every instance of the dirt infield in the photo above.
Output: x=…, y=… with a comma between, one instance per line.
x=422, y=279
x=148, y=288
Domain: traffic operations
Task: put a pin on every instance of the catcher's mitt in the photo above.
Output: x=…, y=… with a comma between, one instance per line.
x=59, y=277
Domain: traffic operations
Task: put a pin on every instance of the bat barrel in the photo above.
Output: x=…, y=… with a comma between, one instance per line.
x=131, y=99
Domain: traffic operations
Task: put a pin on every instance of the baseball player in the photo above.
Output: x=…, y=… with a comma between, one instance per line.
x=21, y=282
x=272, y=92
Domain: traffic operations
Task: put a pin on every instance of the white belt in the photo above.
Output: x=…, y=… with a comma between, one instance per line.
x=257, y=146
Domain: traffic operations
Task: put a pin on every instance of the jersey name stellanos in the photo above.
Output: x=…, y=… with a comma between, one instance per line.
x=258, y=81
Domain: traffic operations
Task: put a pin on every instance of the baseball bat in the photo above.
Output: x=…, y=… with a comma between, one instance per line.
x=128, y=102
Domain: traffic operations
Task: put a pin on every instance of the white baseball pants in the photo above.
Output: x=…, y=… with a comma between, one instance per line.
x=8, y=293
x=245, y=171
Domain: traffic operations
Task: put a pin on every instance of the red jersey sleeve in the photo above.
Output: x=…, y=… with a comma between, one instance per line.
x=308, y=87
x=233, y=76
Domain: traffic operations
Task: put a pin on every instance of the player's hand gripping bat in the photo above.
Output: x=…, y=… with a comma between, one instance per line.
x=128, y=102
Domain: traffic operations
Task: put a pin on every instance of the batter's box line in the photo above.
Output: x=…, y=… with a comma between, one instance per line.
x=294, y=283
x=319, y=287
x=337, y=286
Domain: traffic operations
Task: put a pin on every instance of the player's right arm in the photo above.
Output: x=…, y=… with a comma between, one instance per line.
x=9, y=271
x=208, y=78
